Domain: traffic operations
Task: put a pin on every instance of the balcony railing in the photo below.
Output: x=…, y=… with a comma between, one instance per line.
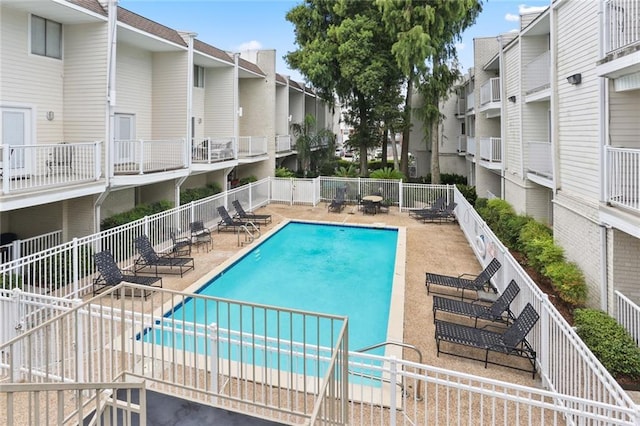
x=490, y=91
x=471, y=101
x=462, y=144
x=623, y=177
x=622, y=24
x=24, y=247
x=33, y=167
x=212, y=150
x=537, y=73
x=251, y=146
x=491, y=149
x=283, y=143
x=148, y=156
x=471, y=146
x=461, y=106
x=539, y=159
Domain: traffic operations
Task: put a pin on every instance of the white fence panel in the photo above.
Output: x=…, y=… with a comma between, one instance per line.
x=628, y=314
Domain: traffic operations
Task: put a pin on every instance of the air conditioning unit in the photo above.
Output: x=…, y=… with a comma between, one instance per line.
x=413, y=172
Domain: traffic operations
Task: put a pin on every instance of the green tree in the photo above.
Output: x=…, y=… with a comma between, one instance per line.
x=314, y=148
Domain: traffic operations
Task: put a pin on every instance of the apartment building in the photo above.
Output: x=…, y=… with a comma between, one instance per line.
x=104, y=109
x=552, y=125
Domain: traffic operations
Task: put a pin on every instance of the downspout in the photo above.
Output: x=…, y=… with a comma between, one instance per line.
x=553, y=43
x=178, y=182
x=112, y=22
x=236, y=102
x=503, y=123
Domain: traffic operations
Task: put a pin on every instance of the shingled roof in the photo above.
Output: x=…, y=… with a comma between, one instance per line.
x=249, y=66
x=92, y=5
x=207, y=49
x=140, y=22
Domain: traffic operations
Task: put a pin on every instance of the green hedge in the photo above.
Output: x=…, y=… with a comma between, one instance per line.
x=193, y=194
x=138, y=212
x=609, y=342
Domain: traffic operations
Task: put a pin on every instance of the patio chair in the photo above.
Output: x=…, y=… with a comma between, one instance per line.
x=200, y=234
x=498, y=311
x=181, y=245
x=251, y=217
x=149, y=259
x=111, y=275
x=60, y=159
x=369, y=207
x=227, y=223
x=337, y=204
x=442, y=215
x=437, y=206
x=512, y=342
x=480, y=282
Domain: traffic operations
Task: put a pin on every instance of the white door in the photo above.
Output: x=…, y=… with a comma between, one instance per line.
x=16, y=132
x=125, y=146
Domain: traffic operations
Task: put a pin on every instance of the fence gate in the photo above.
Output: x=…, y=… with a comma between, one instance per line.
x=303, y=192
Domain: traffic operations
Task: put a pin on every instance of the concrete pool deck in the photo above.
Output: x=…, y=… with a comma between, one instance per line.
x=430, y=247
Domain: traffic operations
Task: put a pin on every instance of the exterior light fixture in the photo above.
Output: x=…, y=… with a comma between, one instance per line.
x=574, y=79
x=512, y=99
x=50, y=115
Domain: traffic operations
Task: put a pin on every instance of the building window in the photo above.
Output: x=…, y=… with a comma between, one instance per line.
x=198, y=76
x=46, y=37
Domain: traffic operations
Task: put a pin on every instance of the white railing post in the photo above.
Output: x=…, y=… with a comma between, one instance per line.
x=400, y=195
x=141, y=162
x=393, y=382
x=145, y=226
x=6, y=168
x=79, y=342
x=16, y=352
x=213, y=363
x=97, y=159
x=75, y=262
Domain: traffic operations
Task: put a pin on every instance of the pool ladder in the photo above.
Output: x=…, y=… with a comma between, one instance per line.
x=250, y=232
x=393, y=343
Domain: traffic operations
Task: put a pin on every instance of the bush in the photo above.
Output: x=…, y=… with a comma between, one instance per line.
x=283, y=172
x=468, y=192
x=609, y=342
x=512, y=226
x=528, y=234
x=386, y=173
x=568, y=280
x=193, y=194
x=11, y=281
x=138, y=212
x=247, y=180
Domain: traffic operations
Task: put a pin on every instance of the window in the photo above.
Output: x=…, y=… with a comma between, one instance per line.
x=198, y=76
x=46, y=37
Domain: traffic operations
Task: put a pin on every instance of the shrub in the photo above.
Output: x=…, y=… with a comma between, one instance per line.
x=247, y=180
x=445, y=179
x=568, y=280
x=193, y=194
x=138, y=212
x=609, y=342
x=468, y=192
x=386, y=173
x=283, y=172
x=497, y=208
x=529, y=233
x=350, y=171
x=512, y=226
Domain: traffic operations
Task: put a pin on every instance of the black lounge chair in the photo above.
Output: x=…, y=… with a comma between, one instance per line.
x=481, y=282
x=512, y=342
x=111, y=275
x=200, y=234
x=438, y=205
x=227, y=223
x=249, y=216
x=497, y=312
x=337, y=204
x=438, y=215
x=152, y=260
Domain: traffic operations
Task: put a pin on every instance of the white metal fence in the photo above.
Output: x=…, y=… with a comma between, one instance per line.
x=148, y=156
x=283, y=143
x=30, y=167
x=539, y=159
x=251, y=146
x=622, y=23
x=628, y=315
x=491, y=149
x=623, y=179
x=24, y=247
x=490, y=91
x=537, y=73
x=565, y=364
x=211, y=150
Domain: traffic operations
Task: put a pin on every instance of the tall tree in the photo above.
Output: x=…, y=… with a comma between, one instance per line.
x=421, y=29
x=343, y=49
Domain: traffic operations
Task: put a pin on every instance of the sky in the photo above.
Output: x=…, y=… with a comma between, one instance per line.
x=237, y=25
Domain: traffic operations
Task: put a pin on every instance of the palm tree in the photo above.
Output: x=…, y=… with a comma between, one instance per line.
x=313, y=147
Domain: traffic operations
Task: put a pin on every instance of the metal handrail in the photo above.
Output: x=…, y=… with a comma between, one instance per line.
x=403, y=345
x=251, y=237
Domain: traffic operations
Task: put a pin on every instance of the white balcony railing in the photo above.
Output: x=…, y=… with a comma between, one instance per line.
x=490, y=91
x=628, y=315
x=539, y=159
x=471, y=101
x=491, y=149
x=24, y=247
x=148, y=156
x=537, y=73
x=461, y=106
x=211, y=150
x=622, y=24
x=471, y=146
x=462, y=144
x=251, y=146
x=33, y=167
x=623, y=177
x=283, y=143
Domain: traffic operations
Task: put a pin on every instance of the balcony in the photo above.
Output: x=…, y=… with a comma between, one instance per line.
x=252, y=148
x=211, y=151
x=461, y=106
x=462, y=144
x=621, y=39
x=147, y=161
x=623, y=177
x=491, y=153
x=490, y=97
x=539, y=163
x=283, y=144
x=537, y=75
x=471, y=103
x=47, y=168
x=471, y=146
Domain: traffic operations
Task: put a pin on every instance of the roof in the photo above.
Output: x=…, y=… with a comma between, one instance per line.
x=250, y=66
x=207, y=49
x=140, y=22
x=92, y=5
x=281, y=79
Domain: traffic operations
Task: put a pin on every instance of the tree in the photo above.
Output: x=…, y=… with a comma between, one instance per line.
x=343, y=49
x=422, y=29
x=313, y=147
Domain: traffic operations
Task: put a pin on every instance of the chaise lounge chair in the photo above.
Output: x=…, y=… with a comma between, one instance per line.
x=152, y=260
x=251, y=217
x=481, y=282
x=512, y=342
x=442, y=215
x=111, y=275
x=498, y=311
x=437, y=206
x=227, y=223
x=337, y=204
